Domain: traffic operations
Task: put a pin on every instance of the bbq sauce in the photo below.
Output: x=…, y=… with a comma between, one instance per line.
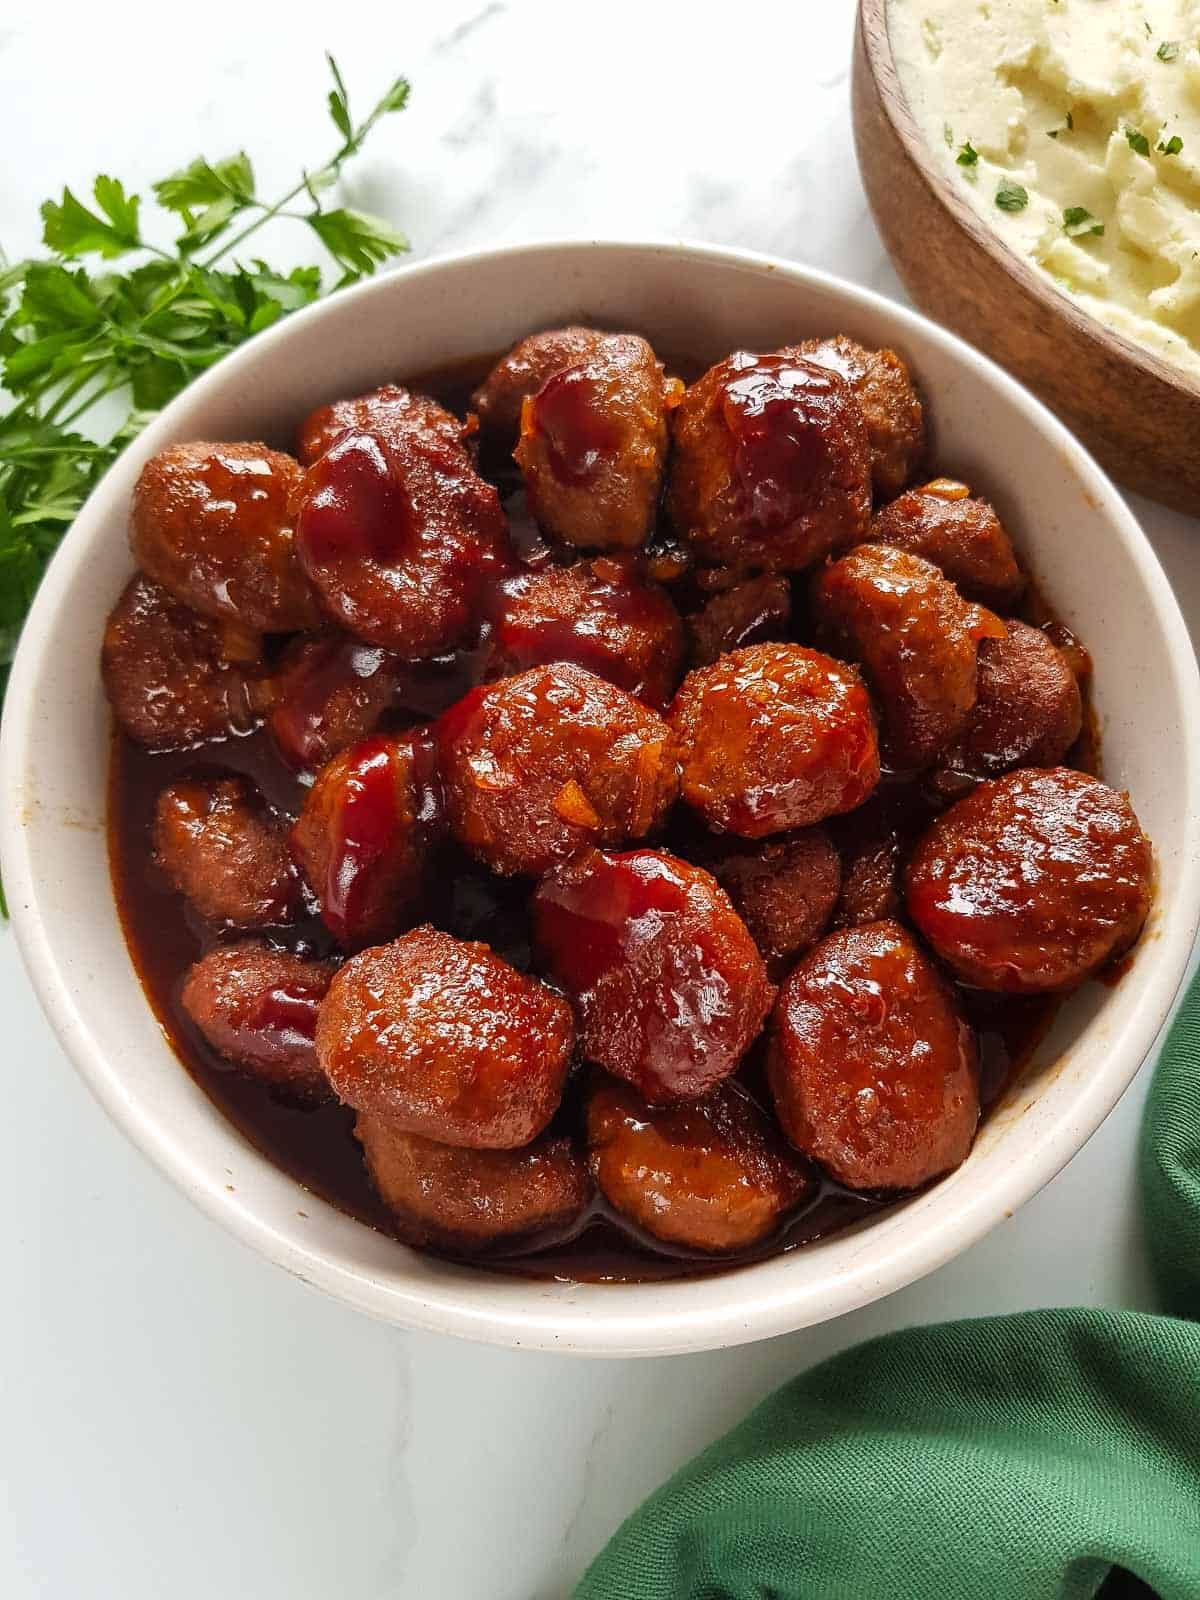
x=316, y=1145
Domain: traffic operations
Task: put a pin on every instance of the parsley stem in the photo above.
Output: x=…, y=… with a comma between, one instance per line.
x=111, y=387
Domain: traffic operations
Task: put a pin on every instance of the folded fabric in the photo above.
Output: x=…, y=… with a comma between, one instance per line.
x=1011, y=1458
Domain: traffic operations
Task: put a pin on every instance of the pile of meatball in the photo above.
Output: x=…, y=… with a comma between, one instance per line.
x=749, y=717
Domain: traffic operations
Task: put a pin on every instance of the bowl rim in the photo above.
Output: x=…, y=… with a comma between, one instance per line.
x=875, y=34
x=720, y=1320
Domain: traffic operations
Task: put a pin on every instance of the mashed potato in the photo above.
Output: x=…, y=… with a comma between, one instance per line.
x=1073, y=126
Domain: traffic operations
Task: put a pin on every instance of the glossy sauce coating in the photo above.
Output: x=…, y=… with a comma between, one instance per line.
x=166, y=673
x=602, y=615
x=218, y=844
x=539, y=765
x=669, y=988
x=712, y=1174
x=872, y=1067
x=328, y=692
x=749, y=613
x=388, y=412
x=772, y=737
x=523, y=371
x=469, y=1200
x=1033, y=881
x=212, y=523
x=443, y=1038
x=258, y=1008
x=592, y=446
x=884, y=389
x=1028, y=711
x=365, y=835
x=771, y=467
x=916, y=638
x=962, y=535
x=784, y=890
x=399, y=534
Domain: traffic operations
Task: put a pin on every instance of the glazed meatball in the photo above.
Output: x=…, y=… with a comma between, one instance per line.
x=399, y=535
x=167, y=674
x=602, y=615
x=711, y=1175
x=669, y=987
x=592, y=446
x=884, y=390
x=258, y=1008
x=221, y=847
x=749, y=613
x=470, y=1200
x=917, y=640
x=388, y=411
x=873, y=1070
x=1033, y=881
x=1028, y=711
x=498, y=400
x=772, y=464
x=444, y=1039
x=962, y=536
x=364, y=837
x=872, y=843
x=784, y=891
x=539, y=765
x=211, y=523
x=329, y=692
x=774, y=737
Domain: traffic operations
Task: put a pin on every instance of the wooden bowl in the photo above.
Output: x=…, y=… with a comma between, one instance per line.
x=1138, y=415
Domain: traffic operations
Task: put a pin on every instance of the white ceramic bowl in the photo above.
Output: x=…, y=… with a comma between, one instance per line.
x=1080, y=539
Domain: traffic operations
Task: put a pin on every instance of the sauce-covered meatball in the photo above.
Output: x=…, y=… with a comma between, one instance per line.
x=750, y=613
x=470, y=1200
x=772, y=737
x=1033, y=881
x=212, y=524
x=388, y=411
x=592, y=446
x=668, y=985
x=711, y=1175
x=602, y=615
x=399, y=534
x=539, y=765
x=772, y=464
x=443, y=1038
x=329, y=692
x=258, y=1008
x=221, y=847
x=1028, y=710
x=784, y=890
x=873, y=1070
x=167, y=673
x=873, y=842
x=522, y=372
x=961, y=535
x=364, y=837
x=917, y=640
x=884, y=389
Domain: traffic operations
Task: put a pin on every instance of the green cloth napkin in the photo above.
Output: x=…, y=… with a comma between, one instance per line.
x=1011, y=1458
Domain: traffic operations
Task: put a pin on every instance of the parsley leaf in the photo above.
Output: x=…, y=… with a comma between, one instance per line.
x=355, y=240
x=1137, y=141
x=1078, y=220
x=1172, y=147
x=1012, y=196
x=70, y=229
x=1167, y=50
x=967, y=155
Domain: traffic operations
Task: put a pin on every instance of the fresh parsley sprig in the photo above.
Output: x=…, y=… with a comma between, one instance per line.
x=72, y=337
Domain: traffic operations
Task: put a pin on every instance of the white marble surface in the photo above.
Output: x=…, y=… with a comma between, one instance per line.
x=176, y=1417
